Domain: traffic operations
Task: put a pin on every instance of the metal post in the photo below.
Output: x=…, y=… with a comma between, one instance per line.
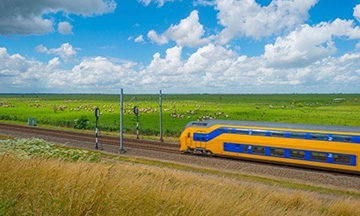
x=96, y=134
x=161, y=135
x=121, y=150
x=137, y=126
x=97, y=114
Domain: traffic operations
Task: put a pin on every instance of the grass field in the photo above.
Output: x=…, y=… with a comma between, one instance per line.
x=178, y=110
x=39, y=178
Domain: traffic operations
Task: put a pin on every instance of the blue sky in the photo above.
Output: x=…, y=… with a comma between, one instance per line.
x=197, y=46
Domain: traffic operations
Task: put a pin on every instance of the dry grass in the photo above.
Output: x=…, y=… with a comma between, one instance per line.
x=54, y=187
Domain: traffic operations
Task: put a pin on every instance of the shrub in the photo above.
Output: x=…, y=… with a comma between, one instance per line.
x=82, y=123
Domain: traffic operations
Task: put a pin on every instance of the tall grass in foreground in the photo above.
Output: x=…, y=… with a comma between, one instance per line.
x=35, y=185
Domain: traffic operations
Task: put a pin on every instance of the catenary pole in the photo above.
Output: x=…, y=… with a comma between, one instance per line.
x=161, y=135
x=121, y=150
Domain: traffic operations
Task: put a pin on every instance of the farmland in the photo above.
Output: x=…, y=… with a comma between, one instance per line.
x=77, y=111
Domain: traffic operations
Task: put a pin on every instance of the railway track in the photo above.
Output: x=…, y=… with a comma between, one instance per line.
x=109, y=140
x=166, y=147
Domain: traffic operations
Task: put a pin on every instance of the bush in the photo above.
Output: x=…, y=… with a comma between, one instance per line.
x=82, y=123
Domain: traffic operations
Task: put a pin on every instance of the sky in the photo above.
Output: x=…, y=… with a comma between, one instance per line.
x=180, y=46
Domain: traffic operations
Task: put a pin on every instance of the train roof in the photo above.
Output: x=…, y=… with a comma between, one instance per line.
x=210, y=123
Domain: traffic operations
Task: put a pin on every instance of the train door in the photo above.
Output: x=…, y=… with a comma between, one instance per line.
x=200, y=140
x=189, y=140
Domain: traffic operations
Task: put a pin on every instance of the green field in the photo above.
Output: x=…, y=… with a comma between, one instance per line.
x=178, y=110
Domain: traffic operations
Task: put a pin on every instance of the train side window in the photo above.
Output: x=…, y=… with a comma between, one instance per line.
x=242, y=131
x=318, y=156
x=246, y=147
x=341, y=138
x=258, y=150
x=221, y=129
x=277, y=133
x=298, y=135
x=258, y=132
x=342, y=159
x=297, y=154
x=319, y=136
x=277, y=152
x=188, y=135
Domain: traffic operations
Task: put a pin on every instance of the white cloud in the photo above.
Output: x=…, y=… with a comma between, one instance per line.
x=357, y=46
x=212, y=68
x=189, y=32
x=159, y=39
x=23, y=17
x=247, y=18
x=357, y=12
x=159, y=3
x=308, y=44
x=65, y=28
x=139, y=39
x=204, y=2
x=65, y=51
x=97, y=74
x=20, y=74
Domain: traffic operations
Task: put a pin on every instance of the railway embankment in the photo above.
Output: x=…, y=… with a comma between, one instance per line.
x=39, y=177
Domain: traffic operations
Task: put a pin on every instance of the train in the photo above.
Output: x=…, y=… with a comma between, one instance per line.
x=334, y=148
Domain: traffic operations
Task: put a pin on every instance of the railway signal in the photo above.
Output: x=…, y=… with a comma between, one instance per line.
x=136, y=112
x=97, y=114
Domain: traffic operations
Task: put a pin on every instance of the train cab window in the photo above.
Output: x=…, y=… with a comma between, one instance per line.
x=297, y=154
x=246, y=147
x=242, y=131
x=342, y=159
x=318, y=156
x=277, y=152
x=298, y=135
x=258, y=150
x=341, y=138
x=277, y=133
x=258, y=132
x=319, y=136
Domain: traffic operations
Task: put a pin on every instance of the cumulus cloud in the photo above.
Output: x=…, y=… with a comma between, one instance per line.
x=159, y=3
x=189, y=32
x=247, y=18
x=139, y=39
x=308, y=44
x=357, y=12
x=210, y=68
x=159, y=39
x=65, y=28
x=97, y=73
x=65, y=51
x=22, y=17
x=18, y=73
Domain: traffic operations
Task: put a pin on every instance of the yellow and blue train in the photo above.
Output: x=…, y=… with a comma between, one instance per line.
x=318, y=146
